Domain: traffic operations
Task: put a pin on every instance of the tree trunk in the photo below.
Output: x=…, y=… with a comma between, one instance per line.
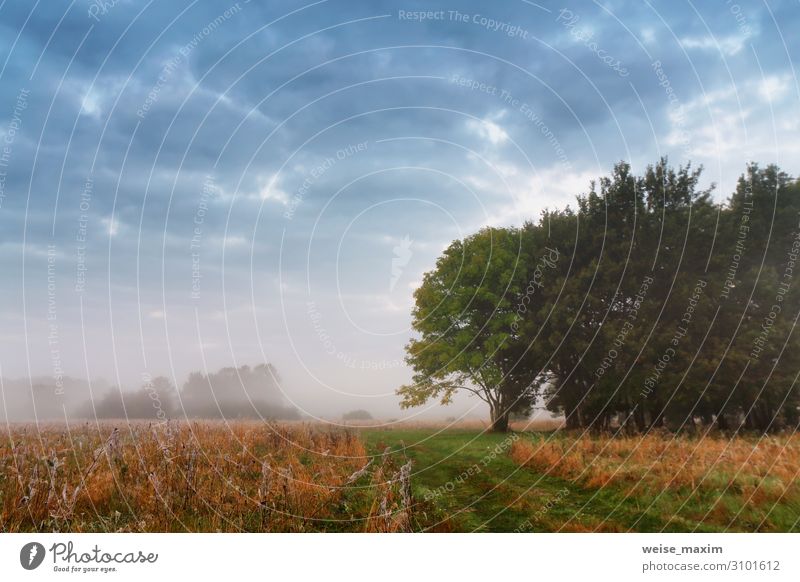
x=639, y=419
x=499, y=420
x=574, y=417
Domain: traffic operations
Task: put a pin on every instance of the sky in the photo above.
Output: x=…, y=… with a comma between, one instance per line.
x=188, y=185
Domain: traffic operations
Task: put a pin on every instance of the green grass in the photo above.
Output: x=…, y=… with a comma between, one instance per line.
x=462, y=480
x=501, y=496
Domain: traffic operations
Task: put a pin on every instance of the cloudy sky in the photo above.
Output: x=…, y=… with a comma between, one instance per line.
x=187, y=185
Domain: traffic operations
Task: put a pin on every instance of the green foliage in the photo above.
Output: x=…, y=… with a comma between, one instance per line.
x=466, y=313
x=649, y=305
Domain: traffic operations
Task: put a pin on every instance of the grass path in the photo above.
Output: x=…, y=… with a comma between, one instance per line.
x=473, y=485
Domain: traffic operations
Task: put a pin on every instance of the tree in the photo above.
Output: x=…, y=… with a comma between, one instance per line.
x=467, y=311
x=242, y=392
x=154, y=400
x=359, y=414
x=667, y=309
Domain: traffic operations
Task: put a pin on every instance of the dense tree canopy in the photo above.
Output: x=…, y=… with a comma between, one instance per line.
x=648, y=305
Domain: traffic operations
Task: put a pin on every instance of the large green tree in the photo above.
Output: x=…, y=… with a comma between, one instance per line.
x=649, y=305
x=467, y=312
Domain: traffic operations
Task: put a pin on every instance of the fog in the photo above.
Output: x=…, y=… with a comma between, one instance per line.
x=231, y=393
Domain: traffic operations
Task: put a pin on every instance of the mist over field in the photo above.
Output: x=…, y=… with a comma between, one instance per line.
x=230, y=393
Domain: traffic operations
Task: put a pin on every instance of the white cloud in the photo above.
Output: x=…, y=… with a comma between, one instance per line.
x=488, y=130
x=235, y=241
x=111, y=225
x=96, y=99
x=91, y=105
x=553, y=187
x=270, y=190
x=729, y=45
x=729, y=126
x=774, y=88
x=481, y=183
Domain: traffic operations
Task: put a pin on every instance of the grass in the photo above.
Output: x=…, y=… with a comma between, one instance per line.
x=500, y=496
x=560, y=482
x=706, y=483
x=248, y=476
x=199, y=476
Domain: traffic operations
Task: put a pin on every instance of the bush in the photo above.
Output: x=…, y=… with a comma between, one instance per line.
x=359, y=414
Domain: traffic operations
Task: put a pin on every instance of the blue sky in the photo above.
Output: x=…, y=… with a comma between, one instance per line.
x=190, y=185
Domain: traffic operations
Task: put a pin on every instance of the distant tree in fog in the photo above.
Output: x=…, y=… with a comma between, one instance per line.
x=155, y=399
x=359, y=414
x=242, y=392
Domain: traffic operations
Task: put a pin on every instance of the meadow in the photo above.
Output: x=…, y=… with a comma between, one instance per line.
x=300, y=477
x=198, y=476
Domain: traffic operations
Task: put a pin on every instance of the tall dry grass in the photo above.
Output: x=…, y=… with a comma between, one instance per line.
x=715, y=479
x=199, y=476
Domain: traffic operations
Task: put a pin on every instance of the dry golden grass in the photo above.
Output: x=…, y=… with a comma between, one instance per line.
x=716, y=479
x=199, y=476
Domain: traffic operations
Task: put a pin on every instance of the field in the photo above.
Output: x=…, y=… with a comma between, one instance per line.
x=200, y=476
x=296, y=477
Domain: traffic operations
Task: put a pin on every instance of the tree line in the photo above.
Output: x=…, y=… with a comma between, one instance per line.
x=243, y=392
x=647, y=305
x=229, y=393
